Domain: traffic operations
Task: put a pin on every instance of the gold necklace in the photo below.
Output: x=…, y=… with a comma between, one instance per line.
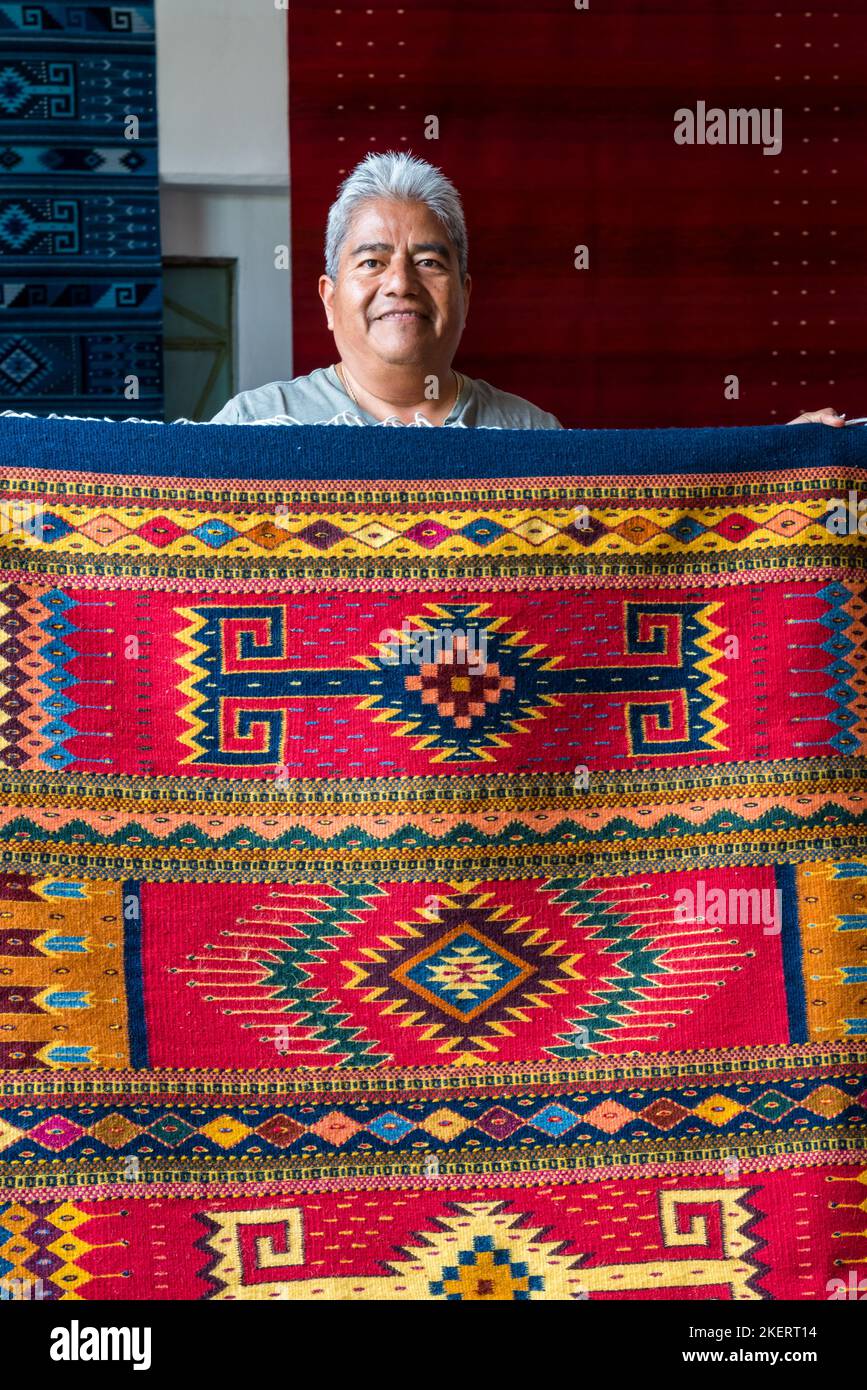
x=341, y=372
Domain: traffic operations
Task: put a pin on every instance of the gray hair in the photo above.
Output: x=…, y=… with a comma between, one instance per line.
x=405, y=179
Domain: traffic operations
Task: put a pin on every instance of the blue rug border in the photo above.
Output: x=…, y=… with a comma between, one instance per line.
x=137, y=1035
x=265, y=453
x=792, y=953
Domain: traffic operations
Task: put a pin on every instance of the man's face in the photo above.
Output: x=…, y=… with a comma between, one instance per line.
x=398, y=296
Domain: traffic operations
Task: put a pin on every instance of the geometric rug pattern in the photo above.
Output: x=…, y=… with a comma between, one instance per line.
x=431, y=869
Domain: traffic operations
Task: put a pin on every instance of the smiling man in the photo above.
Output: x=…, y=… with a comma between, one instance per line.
x=396, y=293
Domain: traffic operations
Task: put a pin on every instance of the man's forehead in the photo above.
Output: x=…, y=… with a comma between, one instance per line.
x=387, y=247
x=373, y=228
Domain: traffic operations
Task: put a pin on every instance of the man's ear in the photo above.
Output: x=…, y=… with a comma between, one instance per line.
x=468, y=285
x=326, y=294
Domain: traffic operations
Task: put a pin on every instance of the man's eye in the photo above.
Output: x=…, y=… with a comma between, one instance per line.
x=430, y=260
x=370, y=261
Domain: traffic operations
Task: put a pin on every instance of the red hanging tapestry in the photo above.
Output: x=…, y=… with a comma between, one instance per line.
x=619, y=277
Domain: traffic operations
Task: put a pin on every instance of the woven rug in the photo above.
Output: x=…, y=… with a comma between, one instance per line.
x=81, y=327
x=434, y=863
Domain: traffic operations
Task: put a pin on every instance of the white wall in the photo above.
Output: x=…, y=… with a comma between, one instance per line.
x=224, y=160
x=247, y=226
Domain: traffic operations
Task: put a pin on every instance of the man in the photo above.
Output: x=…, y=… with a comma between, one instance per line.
x=396, y=293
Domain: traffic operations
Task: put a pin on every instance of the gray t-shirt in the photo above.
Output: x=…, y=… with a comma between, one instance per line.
x=319, y=399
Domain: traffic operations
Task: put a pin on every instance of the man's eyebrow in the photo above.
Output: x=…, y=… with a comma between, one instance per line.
x=371, y=246
x=439, y=247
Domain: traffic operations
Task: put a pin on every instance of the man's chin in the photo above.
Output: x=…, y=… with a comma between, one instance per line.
x=402, y=350
x=401, y=336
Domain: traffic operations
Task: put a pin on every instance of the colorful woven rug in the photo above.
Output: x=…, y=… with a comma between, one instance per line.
x=434, y=863
x=81, y=297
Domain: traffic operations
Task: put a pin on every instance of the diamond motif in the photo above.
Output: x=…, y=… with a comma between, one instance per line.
x=587, y=534
x=735, y=527
x=21, y=365
x=226, y=1131
x=46, y=1263
x=56, y=1133
x=322, y=535
x=390, y=1127
x=664, y=1113
x=609, y=1116
x=478, y=685
x=12, y=649
x=486, y=1273
x=460, y=689
x=103, y=530
x=132, y=160
x=17, y=1218
x=65, y=1217
x=13, y=703
x=170, y=1130
x=718, y=1110
x=475, y=971
x=71, y=1277
x=13, y=623
x=52, y=528
x=427, y=534
x=534, y=530
x=828, y=1101
x=463, y=972
x=14, y=92
x=771, y=1106
x=214, y=533
x=555, y=1120
x=375, y=535
x=335, y=1128
x=115, y=1130
x=160, y=531
x=280, y=1130
x=788, y=522
x=267, y=536
x=498, y=1122
x=686, y=529
x=68, y=1247
x=18, y=1249
x=637, y=529
x=444, y=1124
x=482, y=531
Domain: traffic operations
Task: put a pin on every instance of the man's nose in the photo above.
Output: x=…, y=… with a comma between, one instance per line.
x=401, y=276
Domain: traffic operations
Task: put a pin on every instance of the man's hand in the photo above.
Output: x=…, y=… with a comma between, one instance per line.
x=828, y=416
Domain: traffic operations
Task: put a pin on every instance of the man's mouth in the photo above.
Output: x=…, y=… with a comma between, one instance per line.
x=402, y=314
